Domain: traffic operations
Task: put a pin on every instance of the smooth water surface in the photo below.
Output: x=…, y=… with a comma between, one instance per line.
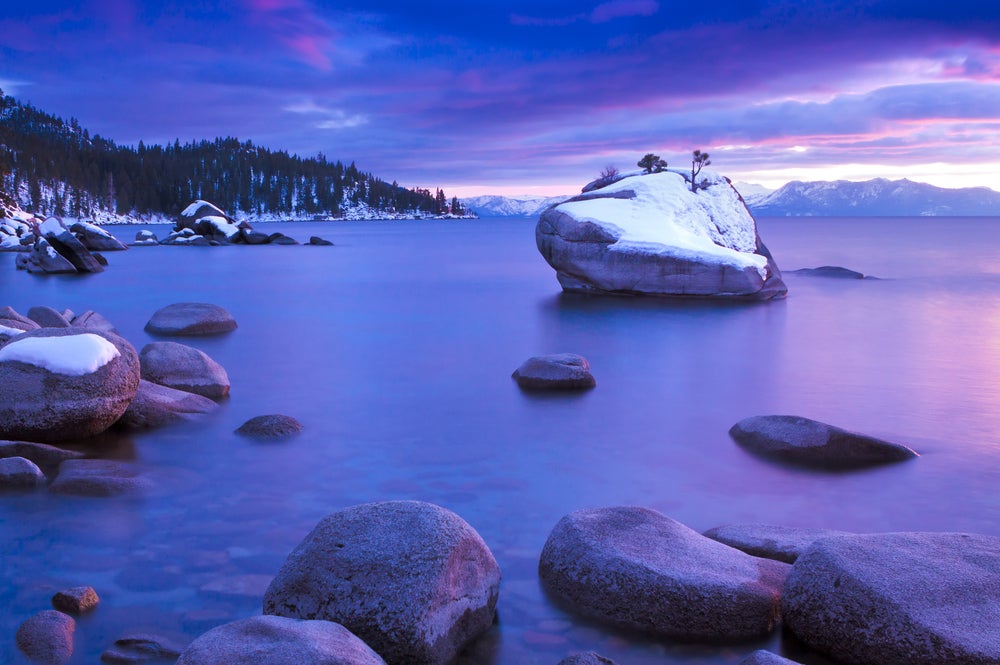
x=394, y=348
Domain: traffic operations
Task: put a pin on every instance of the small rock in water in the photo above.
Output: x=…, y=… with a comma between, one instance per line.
x=273, y=640
x=191, y=318
x=76, y=600
x=281, y=239
x=316, y=240
x=141, y=648
x=47, y=637
x=836, y=272
x=804, y=442
x=184, y=368
x=563, y=371
x=270, y=427
x=18, y=473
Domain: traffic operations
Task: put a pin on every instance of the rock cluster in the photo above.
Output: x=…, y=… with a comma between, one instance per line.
x=53, y=246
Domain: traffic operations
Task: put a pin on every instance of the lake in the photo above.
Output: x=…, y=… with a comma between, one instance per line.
x=395, y=347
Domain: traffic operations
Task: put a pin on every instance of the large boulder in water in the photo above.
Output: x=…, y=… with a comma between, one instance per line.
x=209, y=221
x=638, y=569
x=651, y=235
x=59, y=384
x=272, y=640
x=411, y=579
x=184, y=368
x=95, y=238
x=63, y=241
x=47, y=637
x=895, y=598
x=803, y=442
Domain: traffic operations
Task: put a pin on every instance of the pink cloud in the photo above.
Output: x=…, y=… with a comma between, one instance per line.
x=296, y=25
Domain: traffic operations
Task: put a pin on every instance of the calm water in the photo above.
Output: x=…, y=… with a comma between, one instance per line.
x=395, y=349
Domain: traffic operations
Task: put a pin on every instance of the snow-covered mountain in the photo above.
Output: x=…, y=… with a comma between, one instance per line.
x=872, y=198
x=510, y=206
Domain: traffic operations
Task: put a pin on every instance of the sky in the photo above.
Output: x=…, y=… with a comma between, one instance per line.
x=533, y=97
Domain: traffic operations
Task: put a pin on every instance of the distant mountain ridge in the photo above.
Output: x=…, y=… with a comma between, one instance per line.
x=840, y=198
x=873, y=198
x=510, y=206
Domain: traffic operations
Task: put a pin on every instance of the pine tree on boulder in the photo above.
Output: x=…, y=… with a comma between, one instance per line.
x=651, y=163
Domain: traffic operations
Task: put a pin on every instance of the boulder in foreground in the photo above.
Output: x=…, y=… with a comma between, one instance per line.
x=894, y=598
x=59, y=384
x=272, y=640
x=804, y=442
x=638, y=569
x=411, y=579
x=651, y=235
x=562, y=371
x=47, y=637
x=191, y=318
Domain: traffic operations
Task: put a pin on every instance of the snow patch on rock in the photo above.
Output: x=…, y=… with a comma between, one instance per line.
x=73, y=355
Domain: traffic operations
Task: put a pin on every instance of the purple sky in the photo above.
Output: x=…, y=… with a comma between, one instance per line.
x=533, y=97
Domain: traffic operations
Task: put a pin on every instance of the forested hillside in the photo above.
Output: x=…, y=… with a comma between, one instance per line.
x=56, y=167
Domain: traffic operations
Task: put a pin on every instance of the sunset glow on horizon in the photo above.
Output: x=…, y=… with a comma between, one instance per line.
x=529, y=98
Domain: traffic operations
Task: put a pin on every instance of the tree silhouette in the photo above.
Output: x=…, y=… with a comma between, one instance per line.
x=651, y=163
x=699, y=160
x=610, y=171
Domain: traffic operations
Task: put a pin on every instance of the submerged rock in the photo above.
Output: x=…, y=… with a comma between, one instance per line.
x=781, y=543
x=184, y=368
x=45, y=456
x=272, y=640
x=762, y=657
x=316, y=240
x=639, y=569
x=47, y=637
x=97, y=478
x=142, y=648
x=60, y=384
x=914, y=598
x=651, y=235
x=191, y=318
x=270, y=427
x=586, y=658
x=804, y=442
x=563, y=371
x=411, y=579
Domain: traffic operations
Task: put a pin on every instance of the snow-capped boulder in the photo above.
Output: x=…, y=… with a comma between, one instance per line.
x=63, y=241
x=189, y=319
x=209, y=221
x=272, y=640
x=43, y=258
x=770, y=541
x=157, y=406
x=803, y=442
x=411, y=579
x=650, y=234
x=561, y=371
x=10, y=318
x=184, y=368
x=7, y=333
x=59, y=384
x=47, y=637
x=914, y=598
x=95, y=238
x=639, y=569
